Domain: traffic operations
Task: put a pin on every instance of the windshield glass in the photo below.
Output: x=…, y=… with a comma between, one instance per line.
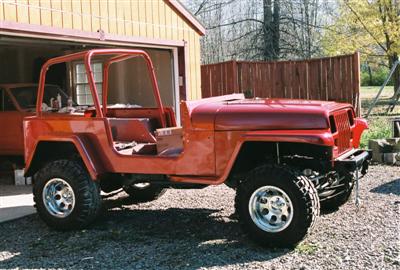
x=26, y=96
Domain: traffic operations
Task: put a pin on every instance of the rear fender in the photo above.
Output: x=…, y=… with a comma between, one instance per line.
x=47, y=149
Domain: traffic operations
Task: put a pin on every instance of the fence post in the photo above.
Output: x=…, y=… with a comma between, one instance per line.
x=357, y=83
x=235, y=77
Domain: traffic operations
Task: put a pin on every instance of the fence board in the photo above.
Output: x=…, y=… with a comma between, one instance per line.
x=335, y=78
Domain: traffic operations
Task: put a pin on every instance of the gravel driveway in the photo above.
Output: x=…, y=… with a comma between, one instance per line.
x=192, y=229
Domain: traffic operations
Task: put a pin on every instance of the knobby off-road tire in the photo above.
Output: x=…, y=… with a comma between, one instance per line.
x=144, y=192
x=337, y=201
x=66, y=197
x=279, y=191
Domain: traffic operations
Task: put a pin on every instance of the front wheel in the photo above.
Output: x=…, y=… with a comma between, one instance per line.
x=277, y=207
x=65, y=196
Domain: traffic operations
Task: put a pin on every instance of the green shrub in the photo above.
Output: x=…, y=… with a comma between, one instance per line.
x=379, y=75
x=365, y=81
x=379, y=128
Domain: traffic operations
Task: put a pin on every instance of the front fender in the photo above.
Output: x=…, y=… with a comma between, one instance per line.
x=318, y=137
x=360, y=125
x=315, y=137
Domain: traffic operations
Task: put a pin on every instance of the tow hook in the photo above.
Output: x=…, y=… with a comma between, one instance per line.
x=363, y=170
x=357, y=195
x=356, y=162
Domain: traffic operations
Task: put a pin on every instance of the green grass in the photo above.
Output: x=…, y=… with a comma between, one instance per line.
x=305, y=248
x=370, y=92
x=379, y=128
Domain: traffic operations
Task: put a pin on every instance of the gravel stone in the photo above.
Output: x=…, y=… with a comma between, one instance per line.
x=195, y=229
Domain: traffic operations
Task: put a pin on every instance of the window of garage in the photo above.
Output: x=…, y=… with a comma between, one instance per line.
x=81, y=84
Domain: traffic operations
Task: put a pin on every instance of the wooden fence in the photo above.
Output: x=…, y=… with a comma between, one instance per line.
x=334, y=78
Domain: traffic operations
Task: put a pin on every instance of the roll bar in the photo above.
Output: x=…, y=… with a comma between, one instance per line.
x=86, y=56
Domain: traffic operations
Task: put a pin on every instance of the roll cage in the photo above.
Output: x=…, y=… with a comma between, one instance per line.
x=118, y=55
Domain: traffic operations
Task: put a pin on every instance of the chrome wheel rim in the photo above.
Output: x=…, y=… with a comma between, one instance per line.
x=271, y=209
x=58, y=198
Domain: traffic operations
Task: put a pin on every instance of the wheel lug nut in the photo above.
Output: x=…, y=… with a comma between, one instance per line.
x=273, y=219
x=263, y=200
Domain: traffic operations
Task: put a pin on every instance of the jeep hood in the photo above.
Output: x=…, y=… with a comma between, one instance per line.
x=264, y=114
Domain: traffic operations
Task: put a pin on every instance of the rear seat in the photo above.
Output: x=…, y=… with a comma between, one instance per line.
x=140, y=130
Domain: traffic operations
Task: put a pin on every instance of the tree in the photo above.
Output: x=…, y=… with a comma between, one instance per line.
x=371, y=26
x=260, y=29
x=270, y=33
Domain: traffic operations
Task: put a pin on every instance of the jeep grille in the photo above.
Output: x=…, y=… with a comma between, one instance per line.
x=343, y=131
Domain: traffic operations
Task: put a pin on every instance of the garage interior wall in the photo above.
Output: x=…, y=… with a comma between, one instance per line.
x=17, y=63
x=134, y=18
x=129, y=80
x=20, y=61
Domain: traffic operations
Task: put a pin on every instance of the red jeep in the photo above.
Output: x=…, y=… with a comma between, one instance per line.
x=285, y=158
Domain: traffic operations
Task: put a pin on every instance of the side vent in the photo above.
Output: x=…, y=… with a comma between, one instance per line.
x=332, y=124
x=351, y=117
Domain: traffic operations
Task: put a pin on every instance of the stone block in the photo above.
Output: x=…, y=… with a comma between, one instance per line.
x=391, y=158
x=381, y=146
x=377, y=157
x=20, y=179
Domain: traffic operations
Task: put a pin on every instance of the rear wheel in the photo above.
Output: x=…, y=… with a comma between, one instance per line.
x=276, y=206
x=65, y=196
x=144, y=192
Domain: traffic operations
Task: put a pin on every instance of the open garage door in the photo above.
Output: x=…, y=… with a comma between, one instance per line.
x=21, y=60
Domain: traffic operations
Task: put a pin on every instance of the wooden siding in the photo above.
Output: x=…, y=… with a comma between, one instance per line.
x=333, y=78
x=143, y=18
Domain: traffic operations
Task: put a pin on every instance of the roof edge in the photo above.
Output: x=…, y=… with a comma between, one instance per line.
x=187, y=16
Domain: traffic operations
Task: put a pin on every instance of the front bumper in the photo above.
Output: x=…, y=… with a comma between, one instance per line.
x=354, y=160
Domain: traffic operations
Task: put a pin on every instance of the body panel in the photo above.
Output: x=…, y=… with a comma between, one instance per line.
x=97, y=131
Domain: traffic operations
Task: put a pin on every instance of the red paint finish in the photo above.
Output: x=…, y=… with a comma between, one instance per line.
x=214, y=129
x=11, y=135
x=359, y=126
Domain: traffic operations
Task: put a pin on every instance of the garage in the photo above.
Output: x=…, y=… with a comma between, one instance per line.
x=24, y=57
x=33, y=32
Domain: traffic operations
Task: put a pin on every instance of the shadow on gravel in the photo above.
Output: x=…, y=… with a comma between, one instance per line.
x=392, y=187
x=174, y=238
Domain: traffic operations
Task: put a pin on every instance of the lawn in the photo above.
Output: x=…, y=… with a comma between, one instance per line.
x=380, y=124
x=368, y=93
